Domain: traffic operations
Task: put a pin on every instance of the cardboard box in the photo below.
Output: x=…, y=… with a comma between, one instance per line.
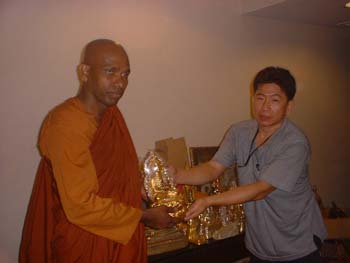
x=174, y=151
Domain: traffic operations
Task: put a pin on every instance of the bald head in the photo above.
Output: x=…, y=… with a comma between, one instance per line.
x=100, y=49
x=103, y=74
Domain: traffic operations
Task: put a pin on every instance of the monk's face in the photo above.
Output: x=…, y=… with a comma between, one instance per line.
x=108, y=74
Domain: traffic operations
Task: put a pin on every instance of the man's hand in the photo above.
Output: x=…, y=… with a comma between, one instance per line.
x=196, y=208
x=174, y=172
x=158, y=217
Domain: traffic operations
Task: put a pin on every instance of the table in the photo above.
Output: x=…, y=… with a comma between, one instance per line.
x=216, y=251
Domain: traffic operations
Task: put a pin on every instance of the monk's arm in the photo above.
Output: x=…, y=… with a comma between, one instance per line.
x=77, y=185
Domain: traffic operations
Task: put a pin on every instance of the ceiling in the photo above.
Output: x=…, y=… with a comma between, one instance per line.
x=330, y=13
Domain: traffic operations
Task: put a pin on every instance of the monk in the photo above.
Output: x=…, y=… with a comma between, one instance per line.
x=86, y=200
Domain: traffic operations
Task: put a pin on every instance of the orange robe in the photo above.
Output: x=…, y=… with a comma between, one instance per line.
x=86, y=200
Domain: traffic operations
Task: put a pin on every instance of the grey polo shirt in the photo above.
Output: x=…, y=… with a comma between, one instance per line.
x=281, y=226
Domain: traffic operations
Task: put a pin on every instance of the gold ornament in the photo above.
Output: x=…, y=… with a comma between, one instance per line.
x=159, y=184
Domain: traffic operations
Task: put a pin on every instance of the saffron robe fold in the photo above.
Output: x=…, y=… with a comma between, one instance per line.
x=86, y=200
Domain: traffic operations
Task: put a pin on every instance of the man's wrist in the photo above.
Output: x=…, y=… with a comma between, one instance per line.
x=208, y=201
x=180, y=175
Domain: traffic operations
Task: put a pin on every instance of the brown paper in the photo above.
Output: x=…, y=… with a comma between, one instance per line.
x=174, y=151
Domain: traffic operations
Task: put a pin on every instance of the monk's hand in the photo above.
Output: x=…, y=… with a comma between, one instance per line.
x=144, y=193
x=196, y=208
x=158, y=217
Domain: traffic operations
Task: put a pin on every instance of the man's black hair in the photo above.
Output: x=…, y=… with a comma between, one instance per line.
x=278, y=76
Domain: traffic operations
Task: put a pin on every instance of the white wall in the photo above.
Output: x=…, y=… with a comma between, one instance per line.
x=192, y=62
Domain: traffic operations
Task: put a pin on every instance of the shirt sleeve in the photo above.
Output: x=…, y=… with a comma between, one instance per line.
x=285, y=170
x=77, y=183
x=226, y=154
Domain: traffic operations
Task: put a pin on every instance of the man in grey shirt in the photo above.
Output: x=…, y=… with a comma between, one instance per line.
x=283, y=220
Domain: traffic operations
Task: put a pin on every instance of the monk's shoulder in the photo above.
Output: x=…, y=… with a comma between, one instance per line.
x=68, y=120
x=67, y=113
x=69, y=117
